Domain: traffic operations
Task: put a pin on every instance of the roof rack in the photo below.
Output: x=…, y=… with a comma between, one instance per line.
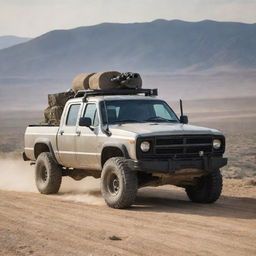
x=146, y=92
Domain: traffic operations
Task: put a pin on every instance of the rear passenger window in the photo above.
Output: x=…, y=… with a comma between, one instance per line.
x=72, y=115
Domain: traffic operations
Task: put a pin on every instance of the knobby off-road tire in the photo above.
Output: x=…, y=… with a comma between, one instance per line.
x=119, y=184
x=48, y=174
x=207, y=190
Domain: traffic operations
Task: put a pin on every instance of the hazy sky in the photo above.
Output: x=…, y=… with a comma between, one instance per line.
x=34, y=17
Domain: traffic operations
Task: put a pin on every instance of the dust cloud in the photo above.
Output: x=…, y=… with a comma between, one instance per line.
x=17, y=175
x=86, y=190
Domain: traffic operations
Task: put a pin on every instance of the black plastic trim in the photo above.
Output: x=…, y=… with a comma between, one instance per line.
x=208, y=164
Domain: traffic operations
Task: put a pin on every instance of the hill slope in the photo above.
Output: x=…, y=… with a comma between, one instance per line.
x=8, y=41
x=158, y=46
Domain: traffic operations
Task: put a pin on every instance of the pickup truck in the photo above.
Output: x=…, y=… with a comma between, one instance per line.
x=130, y=139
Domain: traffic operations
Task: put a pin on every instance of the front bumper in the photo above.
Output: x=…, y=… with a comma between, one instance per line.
x=208, y=164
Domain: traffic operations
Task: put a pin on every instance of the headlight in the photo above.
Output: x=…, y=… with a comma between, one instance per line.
x=145, y=146
x=216, y=143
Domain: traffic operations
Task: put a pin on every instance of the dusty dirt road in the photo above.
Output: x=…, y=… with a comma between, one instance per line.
x=162, y=222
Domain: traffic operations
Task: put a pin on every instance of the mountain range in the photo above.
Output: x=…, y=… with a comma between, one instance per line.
x=160, y=46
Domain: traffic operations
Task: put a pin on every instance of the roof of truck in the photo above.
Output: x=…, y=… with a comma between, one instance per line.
x=115, y=97
x=123, y=97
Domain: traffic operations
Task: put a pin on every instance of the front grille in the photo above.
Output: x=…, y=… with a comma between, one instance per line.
x=182, y=146
x=178, y=146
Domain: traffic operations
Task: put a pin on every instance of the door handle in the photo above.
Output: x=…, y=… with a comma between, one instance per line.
x=78, y=133
x=61, y=132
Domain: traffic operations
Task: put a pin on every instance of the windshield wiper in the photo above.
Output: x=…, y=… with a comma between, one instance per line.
x=127, y=120
x=160, y=119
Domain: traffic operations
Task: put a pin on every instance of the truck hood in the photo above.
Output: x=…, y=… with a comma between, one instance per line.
x=154, y=129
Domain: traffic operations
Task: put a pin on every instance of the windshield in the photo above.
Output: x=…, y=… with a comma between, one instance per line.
x=136, y=111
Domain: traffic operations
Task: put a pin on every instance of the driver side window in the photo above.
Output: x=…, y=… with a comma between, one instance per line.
x=91, y=112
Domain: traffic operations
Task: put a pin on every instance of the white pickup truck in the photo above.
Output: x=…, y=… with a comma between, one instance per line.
x=130, y=139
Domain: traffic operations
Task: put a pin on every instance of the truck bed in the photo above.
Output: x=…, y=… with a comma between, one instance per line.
x=39, y=132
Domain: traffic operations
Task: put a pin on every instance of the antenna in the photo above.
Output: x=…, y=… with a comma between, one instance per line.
x=181, y=108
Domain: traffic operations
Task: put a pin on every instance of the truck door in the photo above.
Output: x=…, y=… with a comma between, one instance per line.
x=67, y=134
x=87, y=139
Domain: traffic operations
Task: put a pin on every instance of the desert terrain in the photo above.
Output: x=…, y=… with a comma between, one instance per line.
x=161, y=222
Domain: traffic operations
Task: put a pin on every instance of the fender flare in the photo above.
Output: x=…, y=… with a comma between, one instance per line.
x=46, y=142
x=120, y=146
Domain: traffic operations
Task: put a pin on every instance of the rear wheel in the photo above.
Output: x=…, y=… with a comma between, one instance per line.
x=207, y=190
x=119, y=184
x=48, y=174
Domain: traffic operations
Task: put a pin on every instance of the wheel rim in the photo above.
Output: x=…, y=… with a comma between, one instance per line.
x=113, y=184
x=43, y=174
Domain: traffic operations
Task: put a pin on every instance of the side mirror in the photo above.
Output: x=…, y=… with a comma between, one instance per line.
x=184, y=119
x=85, y=121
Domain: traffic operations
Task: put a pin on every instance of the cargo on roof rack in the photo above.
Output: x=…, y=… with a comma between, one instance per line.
x=137, y=91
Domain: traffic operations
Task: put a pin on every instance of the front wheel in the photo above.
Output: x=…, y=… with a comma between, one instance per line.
x=48, y=174
x=119, y=184
x=207, y=190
